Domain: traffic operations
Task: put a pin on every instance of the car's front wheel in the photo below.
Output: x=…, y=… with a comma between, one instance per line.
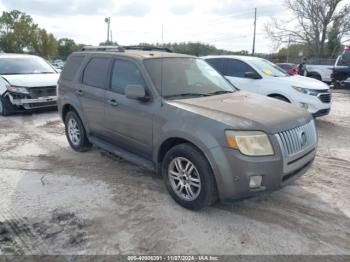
x=4, y=106
x=76, y=133
x=188, y=177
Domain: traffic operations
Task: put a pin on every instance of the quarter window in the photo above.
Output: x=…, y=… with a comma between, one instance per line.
x=236, y=68
x=71, y=67
x=96, y=72
x=125, y=73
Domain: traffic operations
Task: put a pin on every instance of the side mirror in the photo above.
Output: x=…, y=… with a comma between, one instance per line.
x=136, y=92
x=251, y=75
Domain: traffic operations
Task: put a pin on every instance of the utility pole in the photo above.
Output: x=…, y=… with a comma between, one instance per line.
x=288, y=49
x=253, y=51
x=108, y=21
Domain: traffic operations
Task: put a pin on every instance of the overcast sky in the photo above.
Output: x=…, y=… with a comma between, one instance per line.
x=227, y=24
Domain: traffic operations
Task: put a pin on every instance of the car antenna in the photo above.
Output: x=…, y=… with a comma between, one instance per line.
x=161, y=72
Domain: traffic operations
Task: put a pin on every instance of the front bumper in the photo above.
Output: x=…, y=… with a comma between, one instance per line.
x=233, y=170
x=322, y=112
x=314, y=103
x=28, y=103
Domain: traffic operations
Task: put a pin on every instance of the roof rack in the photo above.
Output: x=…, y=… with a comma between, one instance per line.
x=103, y=48
x=147, y=48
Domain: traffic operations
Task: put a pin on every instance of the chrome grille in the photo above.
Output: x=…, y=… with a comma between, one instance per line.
x=298, y=139
x=325, y=98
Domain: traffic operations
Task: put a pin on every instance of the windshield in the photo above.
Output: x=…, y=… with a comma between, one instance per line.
x=268, y=68
x=24, y=65
x=186, y=77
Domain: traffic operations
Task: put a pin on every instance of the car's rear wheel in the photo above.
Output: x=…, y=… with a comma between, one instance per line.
x=4, y=106
x=76, y=133
x=188, y=177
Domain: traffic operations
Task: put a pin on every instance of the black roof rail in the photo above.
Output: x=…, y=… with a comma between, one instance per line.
x=147, y=48
x=103, y=48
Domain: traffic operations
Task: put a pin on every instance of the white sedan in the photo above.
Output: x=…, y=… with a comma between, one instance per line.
x=261, y=76
x=26, y=82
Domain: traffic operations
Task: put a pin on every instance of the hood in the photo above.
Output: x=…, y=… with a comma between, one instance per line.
x=32, y=80
x=247, y=111
x=302, y=81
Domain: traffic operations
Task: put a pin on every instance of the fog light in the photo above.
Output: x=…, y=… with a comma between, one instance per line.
x=255, y=181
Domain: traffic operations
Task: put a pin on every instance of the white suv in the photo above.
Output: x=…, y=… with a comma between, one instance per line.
x=261, y=76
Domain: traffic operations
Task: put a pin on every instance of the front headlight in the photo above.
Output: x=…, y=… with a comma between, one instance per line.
x=306, y=91
x=250, y=143
x=17, y=89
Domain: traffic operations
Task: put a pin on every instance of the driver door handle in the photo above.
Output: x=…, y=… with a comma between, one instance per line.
x=79, y=92
x=112, y=102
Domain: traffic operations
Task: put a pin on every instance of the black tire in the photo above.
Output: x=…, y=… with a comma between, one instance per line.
x=281, y=98
x=83, y=144
x=315, y=76
x=207, y=195
x=5, y=107
x=336, y=85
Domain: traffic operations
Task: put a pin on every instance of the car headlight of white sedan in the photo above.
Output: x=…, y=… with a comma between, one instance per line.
x=17, y=89
x=306, y=91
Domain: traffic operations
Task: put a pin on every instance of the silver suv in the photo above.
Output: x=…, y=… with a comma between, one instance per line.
x=178, y=116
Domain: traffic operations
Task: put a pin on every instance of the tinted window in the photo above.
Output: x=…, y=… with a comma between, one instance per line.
x=236, y=68
x=125, y=73
x=217, y=63
x=25, y=65
x=71, y=67
x=96, y=72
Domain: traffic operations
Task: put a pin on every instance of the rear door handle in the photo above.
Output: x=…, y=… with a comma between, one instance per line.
x=112, y=102
x=79, y=92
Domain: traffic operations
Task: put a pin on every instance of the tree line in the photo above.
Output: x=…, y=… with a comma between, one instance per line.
x=317, y=28
x=19, y=34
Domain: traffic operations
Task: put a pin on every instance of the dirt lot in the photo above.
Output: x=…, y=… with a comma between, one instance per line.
x=56, y=201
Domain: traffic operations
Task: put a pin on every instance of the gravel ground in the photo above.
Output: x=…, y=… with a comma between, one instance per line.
x=56, y=201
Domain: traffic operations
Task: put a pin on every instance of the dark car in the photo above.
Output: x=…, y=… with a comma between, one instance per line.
x=291, y=69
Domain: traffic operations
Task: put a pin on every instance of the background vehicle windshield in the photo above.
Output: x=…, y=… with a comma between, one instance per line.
x=27, y=65
x=186, y=76
x=268, y=68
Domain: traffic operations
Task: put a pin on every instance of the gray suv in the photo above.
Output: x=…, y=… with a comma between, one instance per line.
x=176, y=115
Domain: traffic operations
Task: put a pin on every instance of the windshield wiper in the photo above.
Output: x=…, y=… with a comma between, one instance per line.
x=220, y=92
x=186, y=94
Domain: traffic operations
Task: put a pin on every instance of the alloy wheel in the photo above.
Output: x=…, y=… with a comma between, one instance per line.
x=74, y=132
x=184, y=178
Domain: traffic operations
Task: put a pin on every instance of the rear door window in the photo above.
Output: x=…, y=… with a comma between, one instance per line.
x=71, y=67
x=125, y=73
x=236, y=68
x=96, y=72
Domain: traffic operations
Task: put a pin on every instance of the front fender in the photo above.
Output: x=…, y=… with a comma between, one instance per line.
x=3, y=84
